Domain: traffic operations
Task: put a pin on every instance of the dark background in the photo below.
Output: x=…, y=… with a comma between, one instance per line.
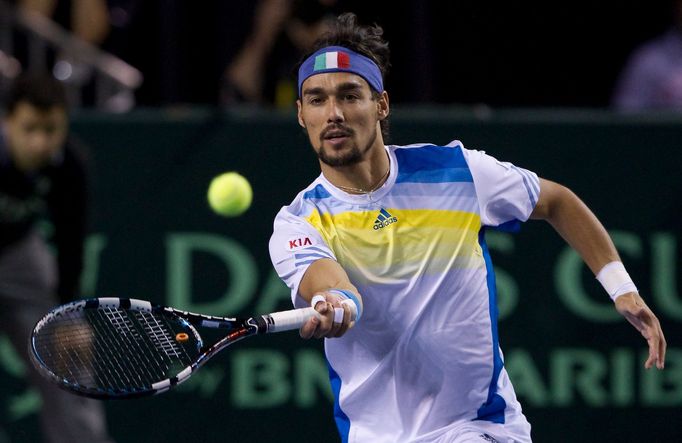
x=503, y=54
x=152, y=168
x=152, y=171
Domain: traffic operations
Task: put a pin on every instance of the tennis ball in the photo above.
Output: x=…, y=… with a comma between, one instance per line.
x=229, y=194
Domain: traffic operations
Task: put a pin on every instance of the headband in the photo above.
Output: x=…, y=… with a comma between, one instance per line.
x=340, y=59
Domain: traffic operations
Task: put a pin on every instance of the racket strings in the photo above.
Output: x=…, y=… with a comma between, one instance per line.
x=140, y=352
x=161, y=336
x=120, y=364
x=112, y=350
x=66, y=347
x=78, y=358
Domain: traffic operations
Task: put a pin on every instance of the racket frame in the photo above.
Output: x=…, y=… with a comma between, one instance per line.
x=237, y=329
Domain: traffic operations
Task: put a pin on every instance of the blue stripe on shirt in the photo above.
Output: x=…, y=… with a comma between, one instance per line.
x=305, y=262
x=432, y=164
x=340, y=417
x=318, y=192
x=493, y=409
x=300, y=256
x=320, y=250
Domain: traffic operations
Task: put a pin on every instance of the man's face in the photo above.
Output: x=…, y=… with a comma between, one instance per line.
x=35, y=135
x=341, y=117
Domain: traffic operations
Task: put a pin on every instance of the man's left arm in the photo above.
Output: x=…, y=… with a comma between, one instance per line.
x=574, y=221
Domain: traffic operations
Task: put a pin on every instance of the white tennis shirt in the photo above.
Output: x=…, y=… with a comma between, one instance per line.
x=425, y=356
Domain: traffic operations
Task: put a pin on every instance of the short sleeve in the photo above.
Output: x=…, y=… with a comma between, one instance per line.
x=506, y=193
x=295, y=244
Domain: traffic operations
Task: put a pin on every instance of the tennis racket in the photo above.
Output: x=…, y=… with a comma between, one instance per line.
x=110, y=348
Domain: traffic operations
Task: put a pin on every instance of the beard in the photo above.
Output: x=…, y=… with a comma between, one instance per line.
x=351, y=156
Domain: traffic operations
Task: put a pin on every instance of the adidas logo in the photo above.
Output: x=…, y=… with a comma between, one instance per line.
x=384, y=219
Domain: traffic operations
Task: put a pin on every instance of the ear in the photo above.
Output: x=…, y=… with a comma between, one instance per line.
x=299, y=115
x=383, y=107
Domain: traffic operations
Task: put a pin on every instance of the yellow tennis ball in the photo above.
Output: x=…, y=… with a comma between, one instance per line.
x=230, y=194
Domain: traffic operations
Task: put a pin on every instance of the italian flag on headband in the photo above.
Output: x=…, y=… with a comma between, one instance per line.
x=332, y=60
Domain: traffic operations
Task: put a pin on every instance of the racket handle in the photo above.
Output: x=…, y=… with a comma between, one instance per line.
x=288, y=320
x=295, y=318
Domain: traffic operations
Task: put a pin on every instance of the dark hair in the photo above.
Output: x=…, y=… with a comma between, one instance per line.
x=40, y=90
x=366, y=40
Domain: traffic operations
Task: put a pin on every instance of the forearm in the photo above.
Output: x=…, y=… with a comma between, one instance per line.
x=576, y=223
x=323, y=275
x=44, y=7
x=90, y=20
x=324, y=279
x=270, y=18
x=580, y=228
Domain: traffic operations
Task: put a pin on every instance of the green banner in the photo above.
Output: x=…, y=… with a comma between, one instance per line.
x=576, y=364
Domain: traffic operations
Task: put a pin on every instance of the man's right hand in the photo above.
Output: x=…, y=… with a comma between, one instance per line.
x=325, y=325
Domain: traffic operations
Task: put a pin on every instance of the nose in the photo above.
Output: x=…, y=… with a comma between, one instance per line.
x=334, y=111
x=40, y=142
x=42, y=146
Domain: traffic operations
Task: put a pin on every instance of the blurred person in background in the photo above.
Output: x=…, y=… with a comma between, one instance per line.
x=282, y=31
x=88, y=21
x=652, y=78
x=43, y=177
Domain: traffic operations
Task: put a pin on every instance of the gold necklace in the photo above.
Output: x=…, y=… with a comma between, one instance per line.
x=376, y=186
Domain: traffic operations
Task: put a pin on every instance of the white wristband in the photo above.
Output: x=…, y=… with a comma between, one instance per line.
x=348, y=299
x=338, y=312
x=615, y=280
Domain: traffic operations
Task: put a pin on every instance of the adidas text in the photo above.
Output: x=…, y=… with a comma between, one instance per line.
x=382, y=224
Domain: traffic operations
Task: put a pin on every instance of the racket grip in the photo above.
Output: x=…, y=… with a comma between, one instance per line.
x=295, y=318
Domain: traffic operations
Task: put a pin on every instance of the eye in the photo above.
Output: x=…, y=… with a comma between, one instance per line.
x=350, y=97
x=29, y=128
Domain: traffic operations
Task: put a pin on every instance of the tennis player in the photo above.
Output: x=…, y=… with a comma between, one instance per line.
x=401, y=230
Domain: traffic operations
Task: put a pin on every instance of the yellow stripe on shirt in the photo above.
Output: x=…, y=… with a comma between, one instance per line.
x=414, y=239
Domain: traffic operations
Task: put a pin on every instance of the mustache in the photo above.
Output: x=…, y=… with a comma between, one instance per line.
x=336, y=128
